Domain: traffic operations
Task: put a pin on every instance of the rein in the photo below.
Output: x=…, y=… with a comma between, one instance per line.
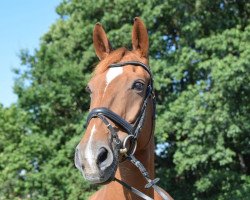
x=133, y=131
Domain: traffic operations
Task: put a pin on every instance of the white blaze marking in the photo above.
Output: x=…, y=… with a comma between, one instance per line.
x=112, y=74
x=89, y=154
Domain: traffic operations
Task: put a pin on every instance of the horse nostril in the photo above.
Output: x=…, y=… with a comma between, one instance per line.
x=102, y=156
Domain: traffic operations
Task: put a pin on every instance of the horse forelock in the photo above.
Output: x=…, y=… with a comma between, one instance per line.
x=119, y=55
x=114, y=57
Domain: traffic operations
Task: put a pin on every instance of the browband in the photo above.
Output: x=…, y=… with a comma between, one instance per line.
x=136, y=63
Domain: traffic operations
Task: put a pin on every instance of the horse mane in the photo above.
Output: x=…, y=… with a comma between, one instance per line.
x=114, y=57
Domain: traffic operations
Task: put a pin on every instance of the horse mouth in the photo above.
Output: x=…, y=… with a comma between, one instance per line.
x=102, y=176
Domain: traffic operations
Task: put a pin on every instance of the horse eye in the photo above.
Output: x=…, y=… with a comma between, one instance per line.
x=138, y=86
x=88, y=90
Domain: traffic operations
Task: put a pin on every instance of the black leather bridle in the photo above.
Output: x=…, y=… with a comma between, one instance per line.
x=133, y=131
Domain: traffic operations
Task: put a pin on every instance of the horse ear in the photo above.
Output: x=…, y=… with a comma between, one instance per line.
x=140, y=37
x=101, y=43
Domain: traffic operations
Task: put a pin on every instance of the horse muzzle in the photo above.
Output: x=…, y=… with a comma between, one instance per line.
x=97, y=163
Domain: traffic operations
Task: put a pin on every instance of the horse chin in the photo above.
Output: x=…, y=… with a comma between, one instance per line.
x=103, y=177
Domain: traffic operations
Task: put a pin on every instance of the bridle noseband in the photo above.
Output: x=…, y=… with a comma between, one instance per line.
x=133, y=131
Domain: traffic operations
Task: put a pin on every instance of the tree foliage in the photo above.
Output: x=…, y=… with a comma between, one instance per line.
x=200, y=58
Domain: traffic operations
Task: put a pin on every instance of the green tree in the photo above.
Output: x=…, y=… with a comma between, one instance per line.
x=12, y=130
x=199, y=54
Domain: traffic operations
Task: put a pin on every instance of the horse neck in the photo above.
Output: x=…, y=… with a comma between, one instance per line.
x=128, y=173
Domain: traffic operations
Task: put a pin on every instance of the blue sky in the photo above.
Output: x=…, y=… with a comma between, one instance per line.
x=22, y=23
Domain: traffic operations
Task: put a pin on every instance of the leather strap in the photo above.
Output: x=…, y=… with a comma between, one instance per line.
x=151, y=183
x=135, y=63
x=112, y=116
x=134, y=190
x=111, y=129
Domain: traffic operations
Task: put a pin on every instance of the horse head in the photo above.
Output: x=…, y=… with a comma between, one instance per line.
x=118, y=88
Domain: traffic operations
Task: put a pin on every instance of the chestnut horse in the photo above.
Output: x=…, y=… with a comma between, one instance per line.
x=118, y=146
